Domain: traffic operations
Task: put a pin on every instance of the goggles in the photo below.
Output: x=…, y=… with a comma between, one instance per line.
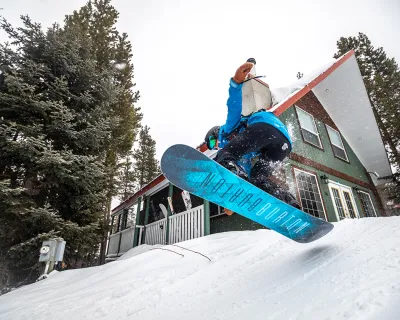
x=212, y=142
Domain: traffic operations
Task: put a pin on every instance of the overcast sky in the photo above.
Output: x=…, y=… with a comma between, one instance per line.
x=184, y=52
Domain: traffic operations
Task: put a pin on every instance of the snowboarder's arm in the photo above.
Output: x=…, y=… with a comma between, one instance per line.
x=234, y=102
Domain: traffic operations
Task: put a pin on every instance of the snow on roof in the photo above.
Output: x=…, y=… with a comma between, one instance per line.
x=282, y=94
x=252, y=275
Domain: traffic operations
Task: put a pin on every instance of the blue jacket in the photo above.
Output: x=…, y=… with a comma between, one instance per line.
x=235, y=118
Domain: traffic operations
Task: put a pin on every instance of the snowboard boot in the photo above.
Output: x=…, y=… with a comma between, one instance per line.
x=291, y=200
x=234, y=168
x=278, y=192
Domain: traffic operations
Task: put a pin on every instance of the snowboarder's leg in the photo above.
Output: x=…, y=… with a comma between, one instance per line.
x=261, y=177
x=261, y=173
x=253, y=139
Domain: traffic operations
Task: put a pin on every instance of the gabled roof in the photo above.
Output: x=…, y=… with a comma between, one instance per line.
x=340, y=89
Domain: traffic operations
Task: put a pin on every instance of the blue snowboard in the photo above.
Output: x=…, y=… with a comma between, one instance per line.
x=193, y=171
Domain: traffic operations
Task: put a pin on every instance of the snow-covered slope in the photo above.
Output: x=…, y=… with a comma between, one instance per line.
x=352, y=273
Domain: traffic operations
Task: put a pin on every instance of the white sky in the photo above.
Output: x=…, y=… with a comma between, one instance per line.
x=184, y=52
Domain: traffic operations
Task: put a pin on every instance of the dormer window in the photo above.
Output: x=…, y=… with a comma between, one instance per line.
x=337, y=144
x=308, y=128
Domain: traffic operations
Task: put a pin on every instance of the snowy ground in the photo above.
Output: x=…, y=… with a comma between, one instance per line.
x=352, y=273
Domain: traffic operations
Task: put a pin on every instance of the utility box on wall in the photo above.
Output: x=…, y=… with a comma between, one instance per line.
x=47, y=251
x=51, y=252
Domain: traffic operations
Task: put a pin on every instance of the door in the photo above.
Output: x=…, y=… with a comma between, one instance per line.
x=343, y=201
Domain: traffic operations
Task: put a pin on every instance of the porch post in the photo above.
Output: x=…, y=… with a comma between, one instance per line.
x=206, y=218
x=135, y=236
x=170, y=193
x=146, y=215
x=146, y=212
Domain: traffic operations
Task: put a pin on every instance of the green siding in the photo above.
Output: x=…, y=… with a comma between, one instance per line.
x=324, y=189
x=326, y=156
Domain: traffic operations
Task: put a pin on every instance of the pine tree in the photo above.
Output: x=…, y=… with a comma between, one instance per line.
x=146, y=164
x=55, y=130
x=111, y=50
x=126, y=177
x=381, y=76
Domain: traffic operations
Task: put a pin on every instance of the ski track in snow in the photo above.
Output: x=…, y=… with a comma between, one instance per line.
x=352, y=273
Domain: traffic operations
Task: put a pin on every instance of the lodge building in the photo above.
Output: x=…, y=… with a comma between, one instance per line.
x=337, y=162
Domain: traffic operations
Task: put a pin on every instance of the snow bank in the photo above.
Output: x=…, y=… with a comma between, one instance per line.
x=352, y=273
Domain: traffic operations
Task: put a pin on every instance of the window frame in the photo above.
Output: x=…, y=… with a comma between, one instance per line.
x=370, y=199
x=341, y=188
x=294, y=168
x=321, y=146
x=116, y=218
x=332, y=144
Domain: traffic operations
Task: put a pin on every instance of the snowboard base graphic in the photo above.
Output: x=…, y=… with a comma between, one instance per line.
x=193, y=171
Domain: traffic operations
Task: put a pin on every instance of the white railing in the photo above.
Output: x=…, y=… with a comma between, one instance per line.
x=126, y=240
x=113, y=244
x=182, y=226
x=186, y=225
x=155, y=232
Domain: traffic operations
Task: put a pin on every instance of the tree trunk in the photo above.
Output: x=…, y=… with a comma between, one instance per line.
x=103, y=243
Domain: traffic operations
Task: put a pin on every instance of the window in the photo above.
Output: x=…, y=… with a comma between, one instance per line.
x=310, y=195
x=338, y=203
x=366, y=204
x=337, y=143
x=115, y=223
x=124, y=219
x=343, y=201
x=131, y=218
x=308, y=128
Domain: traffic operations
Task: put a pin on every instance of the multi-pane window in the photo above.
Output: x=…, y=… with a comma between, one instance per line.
x=308, y=128
x=349, y=204
x=124, y=219
x=337, y=143
x=131, y=218
x=338, y=203
x=115, y=223
x=366, y=203
x=310, y=195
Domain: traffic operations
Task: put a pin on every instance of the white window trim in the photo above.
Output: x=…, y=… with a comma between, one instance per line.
x=315, y=126
x=340, y=186
x=319, y=190
x=330, y=187
x=370, y=199
x=340, y=147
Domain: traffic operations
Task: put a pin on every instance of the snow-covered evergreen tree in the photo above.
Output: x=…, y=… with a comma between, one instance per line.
x=112, y=51
x=67, y=114
x=381, y=76
x=127, y=178
x=146, y=164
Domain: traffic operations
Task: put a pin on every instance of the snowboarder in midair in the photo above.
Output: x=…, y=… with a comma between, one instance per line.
x=251, y=135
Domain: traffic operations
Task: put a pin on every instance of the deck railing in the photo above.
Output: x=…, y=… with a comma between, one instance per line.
x=182, y=226
x=186, y=225
x=155, y=232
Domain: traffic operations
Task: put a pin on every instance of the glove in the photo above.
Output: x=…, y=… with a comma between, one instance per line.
x=242, y=72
